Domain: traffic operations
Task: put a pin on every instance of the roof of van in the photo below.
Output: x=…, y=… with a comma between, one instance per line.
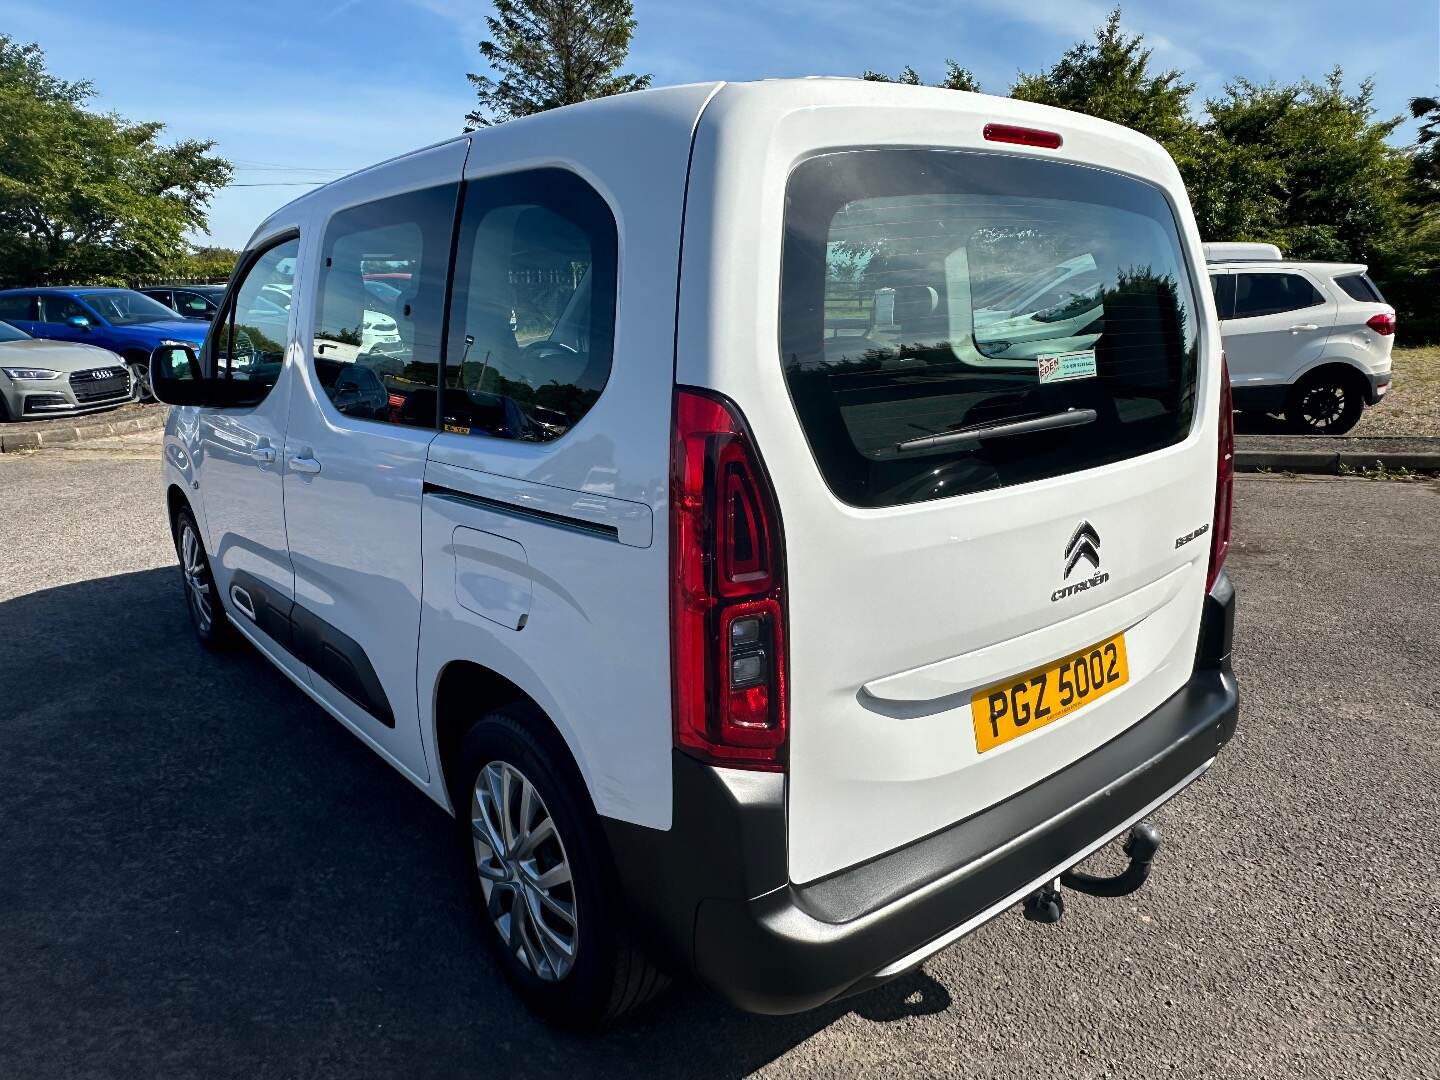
x=776, y=96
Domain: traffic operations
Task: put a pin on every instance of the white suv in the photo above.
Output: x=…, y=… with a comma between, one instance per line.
x=744, y=628
x=1309, y=340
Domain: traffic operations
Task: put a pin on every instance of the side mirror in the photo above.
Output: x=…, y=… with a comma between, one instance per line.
x=176, y=379
x=78, y=322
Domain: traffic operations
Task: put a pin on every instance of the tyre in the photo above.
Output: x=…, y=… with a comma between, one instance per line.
x=202, y=599
x=140, y=376
x=1325, y=403
x=541, y=878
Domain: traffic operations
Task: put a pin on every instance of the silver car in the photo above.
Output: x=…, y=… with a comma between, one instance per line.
x=40, y=378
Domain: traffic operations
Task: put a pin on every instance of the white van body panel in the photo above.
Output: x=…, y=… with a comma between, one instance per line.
x=607, y=690
x=365, y=583
x=930, y=601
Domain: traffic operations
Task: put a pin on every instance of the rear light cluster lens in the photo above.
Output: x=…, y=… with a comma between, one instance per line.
x=727, y=599
x=1383, y=324
x=1224, y=479
x=1024, y=136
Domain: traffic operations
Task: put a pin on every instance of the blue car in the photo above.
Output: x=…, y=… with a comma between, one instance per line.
x=124, y=321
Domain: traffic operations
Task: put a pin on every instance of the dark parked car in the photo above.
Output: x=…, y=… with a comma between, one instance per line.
x=126, y=322
x=191, y=301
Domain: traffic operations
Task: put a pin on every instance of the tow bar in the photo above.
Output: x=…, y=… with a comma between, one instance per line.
x=1046, y=904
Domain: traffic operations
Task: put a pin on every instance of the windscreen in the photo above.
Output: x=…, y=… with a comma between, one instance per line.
x=955, y=321
x=127, y=308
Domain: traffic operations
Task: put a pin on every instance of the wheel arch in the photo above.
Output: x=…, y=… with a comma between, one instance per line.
x=1330, y=364
x=465, y=691
x=175, y=501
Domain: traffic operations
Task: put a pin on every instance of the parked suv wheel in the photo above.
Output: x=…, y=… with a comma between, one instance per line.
x=541, y=878
x=1327, y=403
x=202, y=599
x=140, y=376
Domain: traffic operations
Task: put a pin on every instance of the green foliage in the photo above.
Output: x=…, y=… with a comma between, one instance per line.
x=549, y=53
x=207, y=264
x=956, y=78
x=1304, y=166
x=85, y=196
x=1427, y=146
x=1110, y=77
x=1307, y=165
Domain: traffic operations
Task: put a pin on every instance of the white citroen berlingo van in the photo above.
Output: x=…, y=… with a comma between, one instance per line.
x=755, y=609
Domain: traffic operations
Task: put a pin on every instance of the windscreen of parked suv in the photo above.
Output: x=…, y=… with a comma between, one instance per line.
x=954, y=321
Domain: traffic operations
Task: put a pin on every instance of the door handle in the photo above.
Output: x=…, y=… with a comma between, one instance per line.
x=303, y=462
x=265, y=455
x=1303, y=326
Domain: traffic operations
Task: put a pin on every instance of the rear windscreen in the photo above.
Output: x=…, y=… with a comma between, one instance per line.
x=955, y=321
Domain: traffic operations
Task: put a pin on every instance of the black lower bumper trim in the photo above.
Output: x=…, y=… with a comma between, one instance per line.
x=713, y=894
x=1373, y=396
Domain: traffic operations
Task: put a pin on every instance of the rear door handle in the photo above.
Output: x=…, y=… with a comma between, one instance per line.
x=1303, y=326
x=303, y=462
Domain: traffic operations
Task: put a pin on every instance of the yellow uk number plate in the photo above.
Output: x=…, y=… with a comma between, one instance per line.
x=1008, y=710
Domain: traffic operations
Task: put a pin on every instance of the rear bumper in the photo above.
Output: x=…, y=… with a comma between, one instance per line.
x=1379, y=386
x=713, y=893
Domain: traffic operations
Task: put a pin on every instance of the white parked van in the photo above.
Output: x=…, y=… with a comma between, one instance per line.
x=750, y=610
x=1308, y=340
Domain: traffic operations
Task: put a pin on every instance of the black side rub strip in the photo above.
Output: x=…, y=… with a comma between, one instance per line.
x=335, y=656
x=542, y=517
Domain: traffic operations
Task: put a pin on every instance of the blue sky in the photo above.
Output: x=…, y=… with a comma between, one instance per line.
x=307, y=90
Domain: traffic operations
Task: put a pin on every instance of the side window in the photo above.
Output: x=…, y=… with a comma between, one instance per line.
x=17, y=306
x=1270, y=294
x=1359, y=287
x=192, y=304
x=56, y=309
x=248, y=339
x=532, y=319
x=382, y=306
x=1223, y=286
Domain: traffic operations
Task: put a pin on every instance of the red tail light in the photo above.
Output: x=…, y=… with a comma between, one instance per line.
x=1025, y=136
x=1383, y=324
x=1224, y=479
x=727, y=614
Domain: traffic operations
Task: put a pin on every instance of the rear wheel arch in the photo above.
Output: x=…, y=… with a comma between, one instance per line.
x=1342, y=368
x=175, y=501
x=467, y=691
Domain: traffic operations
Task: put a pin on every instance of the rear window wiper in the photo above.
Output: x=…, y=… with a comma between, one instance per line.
x=965, y=438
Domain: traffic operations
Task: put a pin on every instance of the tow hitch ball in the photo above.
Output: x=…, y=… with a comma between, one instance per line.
x=1046, y=904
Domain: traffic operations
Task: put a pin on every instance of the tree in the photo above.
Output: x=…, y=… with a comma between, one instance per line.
x=1305, y=166
x=549, y=53
x=1110, y=77
x=1427, y=144
x=86, y=196
x=956, y=77
x=208, y=263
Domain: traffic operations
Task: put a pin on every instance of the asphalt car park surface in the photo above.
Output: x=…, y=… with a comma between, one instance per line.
x=201, y=874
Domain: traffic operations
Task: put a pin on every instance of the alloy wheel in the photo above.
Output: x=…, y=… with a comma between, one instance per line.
x=1323, y=405
x=197, y=578
x=524, y=873
x=140, y=381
